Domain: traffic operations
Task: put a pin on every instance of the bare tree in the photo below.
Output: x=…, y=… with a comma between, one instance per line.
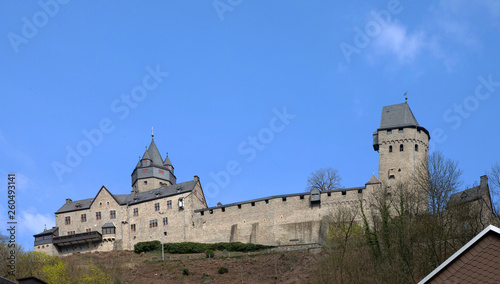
x=441, y=178
x=494, y=179
x=324, y=179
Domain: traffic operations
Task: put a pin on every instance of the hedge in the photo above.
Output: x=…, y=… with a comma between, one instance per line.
x=147, y=246
x=191, y=247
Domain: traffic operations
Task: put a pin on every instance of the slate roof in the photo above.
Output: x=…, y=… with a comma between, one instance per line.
x=398, y=115
x=109, y=225
x=46, y=232
x=470, y=194
x=467, y=195
x=167, y=161
x=373, y=180
x=135, y=198
x=154, y=154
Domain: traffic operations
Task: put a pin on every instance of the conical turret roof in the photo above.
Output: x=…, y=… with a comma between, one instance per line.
x=146, y=156
x=167, y=161
x=154, y=154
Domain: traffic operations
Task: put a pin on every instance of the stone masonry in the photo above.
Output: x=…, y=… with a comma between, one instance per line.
x=159, y=208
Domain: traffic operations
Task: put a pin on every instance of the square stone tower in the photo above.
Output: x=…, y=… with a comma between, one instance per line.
x=402, y=144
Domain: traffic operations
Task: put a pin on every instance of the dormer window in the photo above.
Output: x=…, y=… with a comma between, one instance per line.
x=389, y=132
x=401, y=130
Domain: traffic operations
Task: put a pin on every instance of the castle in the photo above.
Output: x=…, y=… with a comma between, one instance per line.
x=159, y=208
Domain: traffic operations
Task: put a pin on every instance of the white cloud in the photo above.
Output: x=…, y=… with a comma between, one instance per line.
x=395, y=39
x=32, y=222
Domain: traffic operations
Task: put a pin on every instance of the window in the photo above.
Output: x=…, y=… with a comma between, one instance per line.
x=302, y=197
x=88, y=230
x=253, y=203
x=401, y=130
x=267, y=201
x=136, y=211
x=390, y=149
x=239, y=206
x=98, y=215
x=418, y=130
x=100, y=203
x=401, y=148
x=344, y=192
x=389, y=131
x=67, y=220
x=145, y=182
x=111, y=230
x=132, y=228
x=360, y=191
x=165, y=221
x=71, y=233
x=112, y=214
x=157, y=206
x=153, y=223
x=416, y=147
x=283, y=198
x=169, y=204
x=107, y=203
x=84, y=217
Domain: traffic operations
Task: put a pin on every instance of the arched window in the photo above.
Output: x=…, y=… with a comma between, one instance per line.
x=416, y=147
x=401, y=148
x=390, y=149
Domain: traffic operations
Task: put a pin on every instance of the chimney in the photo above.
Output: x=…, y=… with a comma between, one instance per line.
x=68, y=200
x=196, y=178
x=484, y=181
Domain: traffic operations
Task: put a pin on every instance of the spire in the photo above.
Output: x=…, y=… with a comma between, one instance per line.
x=154, y=153
x=138, y=163
x=167, y=161
x=146, y=155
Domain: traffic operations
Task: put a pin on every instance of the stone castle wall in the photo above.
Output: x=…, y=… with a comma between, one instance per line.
x=275, y=221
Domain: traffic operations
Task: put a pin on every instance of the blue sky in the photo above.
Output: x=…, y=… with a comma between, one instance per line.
x=308, y=79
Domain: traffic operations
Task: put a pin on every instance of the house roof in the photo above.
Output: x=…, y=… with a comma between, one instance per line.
x=398, y=115
x=47, y=232
x=470, y=194
x=134, y=198
x=483, y=266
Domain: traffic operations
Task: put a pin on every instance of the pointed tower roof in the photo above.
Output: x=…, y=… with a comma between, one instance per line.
x=146, y=156
x=373, y=179
x=398, y=115
x=167, y=161
x=154, y=154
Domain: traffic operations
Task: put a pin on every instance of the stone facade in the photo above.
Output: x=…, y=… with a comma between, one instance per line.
x=117, y=222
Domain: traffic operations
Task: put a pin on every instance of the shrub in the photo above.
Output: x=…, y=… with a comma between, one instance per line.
x=223, y=270
x=185, y=271
x=190, y=247
x=209, y=253
x=147, y=246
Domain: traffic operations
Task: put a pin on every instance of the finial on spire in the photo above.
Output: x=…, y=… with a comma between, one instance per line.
x=152, y=135
x=373, y=172
x=167, y=154
x=406, y=97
